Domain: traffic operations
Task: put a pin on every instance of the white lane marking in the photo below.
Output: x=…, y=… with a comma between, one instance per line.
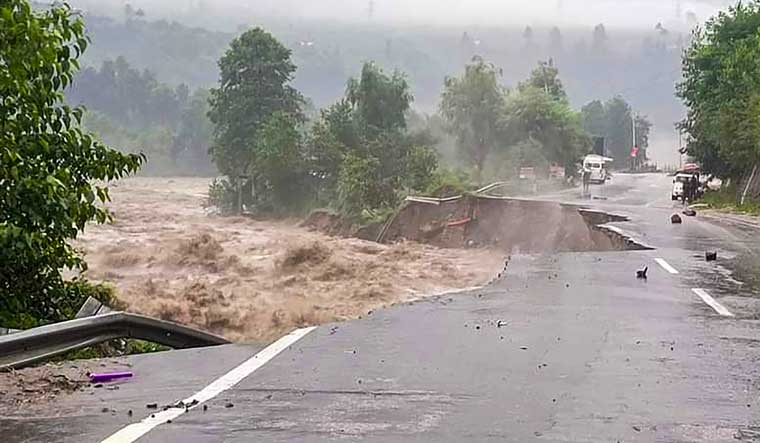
x=719, y=308
x=666, y=266
x=134, y=431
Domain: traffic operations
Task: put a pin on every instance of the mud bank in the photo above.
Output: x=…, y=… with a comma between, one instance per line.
x=506, y=225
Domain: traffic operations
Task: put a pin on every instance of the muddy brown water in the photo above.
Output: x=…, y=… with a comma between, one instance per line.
x=253, y=280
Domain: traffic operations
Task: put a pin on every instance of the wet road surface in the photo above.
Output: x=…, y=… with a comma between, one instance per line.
x=570, y=347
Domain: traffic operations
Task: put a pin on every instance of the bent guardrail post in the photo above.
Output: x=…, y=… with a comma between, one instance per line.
x=39, y=344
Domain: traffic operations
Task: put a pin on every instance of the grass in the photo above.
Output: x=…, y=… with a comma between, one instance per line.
x=725, y=200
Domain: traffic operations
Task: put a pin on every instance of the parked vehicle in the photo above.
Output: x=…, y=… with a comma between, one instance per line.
x=597, y=164
x=681, y=183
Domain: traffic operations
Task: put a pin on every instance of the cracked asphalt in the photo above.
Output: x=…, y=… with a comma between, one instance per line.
x=568, y=347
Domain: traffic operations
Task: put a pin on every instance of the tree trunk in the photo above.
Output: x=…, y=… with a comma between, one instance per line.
x=480, y=159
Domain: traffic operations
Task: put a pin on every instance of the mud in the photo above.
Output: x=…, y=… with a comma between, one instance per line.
x=253, y=280
x=507, y=225
x=29, y=390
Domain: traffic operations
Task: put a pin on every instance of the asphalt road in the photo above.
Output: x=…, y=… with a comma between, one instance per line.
x=567, y=347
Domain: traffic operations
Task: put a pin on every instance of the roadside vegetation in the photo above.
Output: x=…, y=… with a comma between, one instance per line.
x=725, y=200
x=49, y=168
x=137, y=113
x=721, y=90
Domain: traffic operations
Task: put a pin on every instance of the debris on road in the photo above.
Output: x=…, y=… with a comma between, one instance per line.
x=28, y=389
x=501, y=323
x=109, y=376
x=229, y=405
x=689, y=212
x=711, y=256
x=642, y=274
x=152, y=406
x=676, y=219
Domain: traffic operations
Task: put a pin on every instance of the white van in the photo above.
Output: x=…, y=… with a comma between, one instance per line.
x=598, y=167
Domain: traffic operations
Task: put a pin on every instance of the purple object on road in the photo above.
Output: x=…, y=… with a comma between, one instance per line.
x=109, y=376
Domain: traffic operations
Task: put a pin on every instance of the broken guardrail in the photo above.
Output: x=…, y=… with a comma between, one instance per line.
x=45, y=342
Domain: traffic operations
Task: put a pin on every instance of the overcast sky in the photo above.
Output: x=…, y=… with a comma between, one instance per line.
x=618, y=13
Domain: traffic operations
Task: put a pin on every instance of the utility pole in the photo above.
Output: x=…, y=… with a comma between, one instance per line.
x=634, y=149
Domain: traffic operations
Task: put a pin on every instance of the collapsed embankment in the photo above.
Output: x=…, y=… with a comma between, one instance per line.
x=508, y=225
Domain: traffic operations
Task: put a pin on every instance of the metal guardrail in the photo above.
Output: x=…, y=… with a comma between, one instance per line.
x=39, y=344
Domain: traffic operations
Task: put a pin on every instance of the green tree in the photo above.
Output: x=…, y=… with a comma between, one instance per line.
x=191, y=142
x=619, y=132
x=380, y=101
x=472, y=105
x=254, y=78
x=546, y=77
x=421, y=163
x=279, y=165
x=595, y=118
x=361, y=185
x=720, y=88
x=612, y=120
x=360, y=151
x=324, y=153
x=48, y=165
x=532, y=114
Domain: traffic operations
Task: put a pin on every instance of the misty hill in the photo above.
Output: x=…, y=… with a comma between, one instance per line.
x=594, y=62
